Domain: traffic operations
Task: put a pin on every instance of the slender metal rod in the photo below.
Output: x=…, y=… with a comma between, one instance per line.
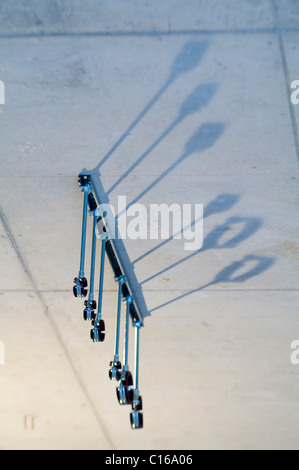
x=120, y=283
x=99, y=314
x=126, y=349
x=93, y=255
x=137, y=328
x=83, y=237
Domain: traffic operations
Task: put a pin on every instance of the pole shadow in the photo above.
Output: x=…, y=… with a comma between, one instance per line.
x=222, y=203
x=229, y=275
x=204, y=138
x=200, y=98
x=187, y=60
x=250, y=226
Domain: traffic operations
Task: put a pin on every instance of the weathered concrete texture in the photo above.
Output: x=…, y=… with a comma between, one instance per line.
x=197, y=114
x=74, y=16
x=290, y=43
x=288, y=13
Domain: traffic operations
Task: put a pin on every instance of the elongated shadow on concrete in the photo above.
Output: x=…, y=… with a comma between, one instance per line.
x=230, y=275
x=204, y=138
x=187, y=60
x=221, y=203
x=200, y=98
x=249, y=225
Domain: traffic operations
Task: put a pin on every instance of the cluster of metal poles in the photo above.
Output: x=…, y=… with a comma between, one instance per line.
x=127, y=391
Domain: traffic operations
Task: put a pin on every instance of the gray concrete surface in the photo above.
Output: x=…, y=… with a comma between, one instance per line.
x=91, y=82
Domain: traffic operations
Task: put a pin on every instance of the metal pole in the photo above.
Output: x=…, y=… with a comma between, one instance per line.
x=126, y=348
x=93, y=255
x=99, y=314
x=137, y=327
x=136, y=417
x=83, y=237
x=120, y=283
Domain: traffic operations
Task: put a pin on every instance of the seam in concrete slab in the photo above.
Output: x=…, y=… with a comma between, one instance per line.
x=254, y=289
x=22, y=260
x=27, y=271
x=155, y=175
x=191, y=32
x=81, y=383
x=279, y=32
x=230, y=290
